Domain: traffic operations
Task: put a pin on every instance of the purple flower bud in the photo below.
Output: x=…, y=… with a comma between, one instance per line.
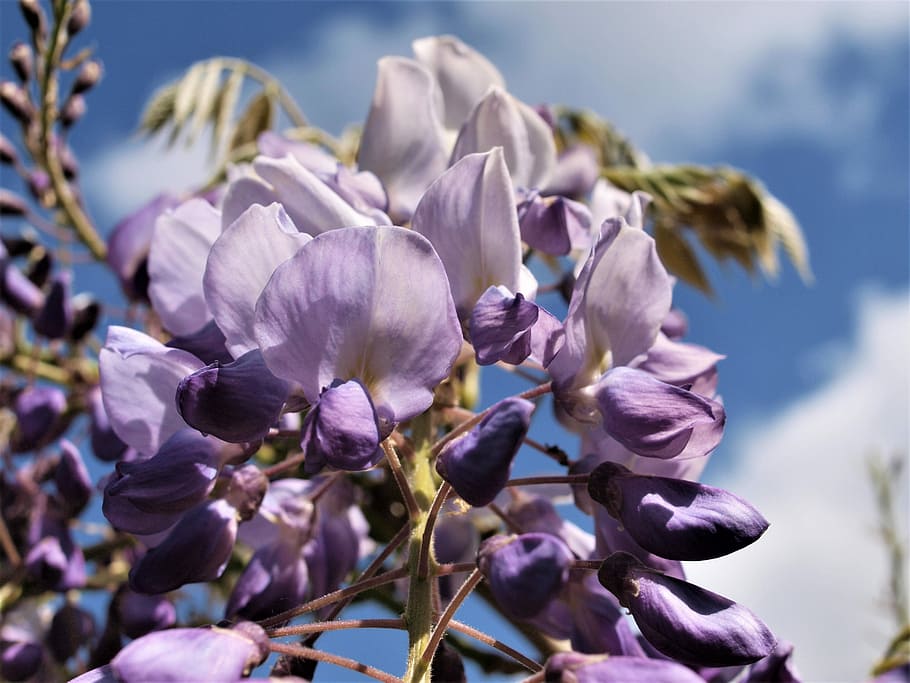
x=71, y=628
x=554, y=225
x=197, y=549
x=80, y=16
x=599, y=624
x=106, y=445
x=207, y=655
x=39, y=184
x=39, y=416
x=655, y=419
x=40, y=268
x=141, y=614
x=12, y=204
x=16, y=102
x=88, y=76
x=675, y=325
x=55, y=562
x=674, y=518
x=55, y=318
x=572, y=667
x=477, y=465
x=524, y=572
x=128, y=246
x=73, y=109
x=207, y=344
x=447, y=665
x=342, y=430
x=8, y=153
x=148, y=496
x=237, y=402
x=72, y=479
x=501, y=327
x=18, y=292
x=275, y=580
x=86, y=311
x=33, y=15
x=23, y=61
x=683, y=621
x=20, y=661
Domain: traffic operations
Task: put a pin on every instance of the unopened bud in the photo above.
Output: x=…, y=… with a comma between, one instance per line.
x=40, y=265
x=68, y=162
x=16, y=101
x=7, y=151
x=11, y=204
x=20, y=56
x=72, y=111
x=33, y=15
x=39, y=184
x=80, y=17
x=86, y=312
x=89, y=75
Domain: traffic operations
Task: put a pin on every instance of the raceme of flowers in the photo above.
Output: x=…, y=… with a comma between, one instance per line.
x=321, y=327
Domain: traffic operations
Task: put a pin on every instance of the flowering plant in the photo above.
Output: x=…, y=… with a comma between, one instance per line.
x=297, y=423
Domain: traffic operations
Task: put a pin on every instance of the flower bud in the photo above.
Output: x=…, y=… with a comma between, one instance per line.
x=207, y=344
x=8, y=153
x=73, y=110
x=39, y=412
x=276, y=579
x=573, y=667
x=18, y=292
x=197, y=549
x=86, y=311
x=674, y=518
x=72, y=479
x=477, y=465
x=16, y=102
x=778, y=667
x=524, y=572
x=447, y=665
x=71, y=628
x=22, y=59
x=11, y=204
x=39, y=185
x=21, y=660
x=33, y=15
x=80, y=16
x=88, y=76
x=683, y=621
x=106, y=445
x=141, y=614
x=55, y=318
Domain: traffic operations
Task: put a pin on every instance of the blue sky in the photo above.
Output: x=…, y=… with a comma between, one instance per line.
x=810, y=97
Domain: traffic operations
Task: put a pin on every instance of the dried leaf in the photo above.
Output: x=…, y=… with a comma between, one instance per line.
x=206, y=95
x=159, y=110
x=679, y=257
x=223, y=109
x=258, y=117
x=186, y=93
x=784, y=227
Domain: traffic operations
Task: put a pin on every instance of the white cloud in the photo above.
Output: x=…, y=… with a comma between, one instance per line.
x=819, y=575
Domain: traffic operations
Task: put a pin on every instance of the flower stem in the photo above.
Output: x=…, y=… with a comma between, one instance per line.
x=526, y=662
x=463, y=592
x=309, y=653
x=321, y=626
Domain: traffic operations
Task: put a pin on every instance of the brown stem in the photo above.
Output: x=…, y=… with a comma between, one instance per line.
x=286, y=464
x=8, y=546
x=440, y=629
x=549, y=479
x=310, y=653
x=401, y=479
x=423, y=562
x=526, y=662
x=322, y=626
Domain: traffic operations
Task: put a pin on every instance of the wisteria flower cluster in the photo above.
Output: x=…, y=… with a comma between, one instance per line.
x=296, y=423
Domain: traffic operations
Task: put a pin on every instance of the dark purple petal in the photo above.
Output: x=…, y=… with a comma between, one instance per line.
x=276, y=579
x=525, y=572
x=237, y=402
x=71, y=628
x=55, y=562
x=554, y=225
x=778, y=667
x=128, y=246
x=141, y=614
x=500, y=327
x=537, y=513
x=182, y=655
x=17, y=291
x=20, y=661
x=207, y=344
x=72, y=479
x=54, y=319
x=572, y=667
x=39, y=411
x=683, y=621
x=655, y=419
x=197, y=549
x=674, y=518
x=106, y=445
x=478, y=464
x=599, y=623
x=342, y=430
x=612, y=537
x=147, y=496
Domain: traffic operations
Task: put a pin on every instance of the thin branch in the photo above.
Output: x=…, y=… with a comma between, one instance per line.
x=401, y=479
x=549, y=479
x=310, y=653
x=423, y=561
x=526, y=662
x=322, y=626
x=8, y=546
x=439, y=631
